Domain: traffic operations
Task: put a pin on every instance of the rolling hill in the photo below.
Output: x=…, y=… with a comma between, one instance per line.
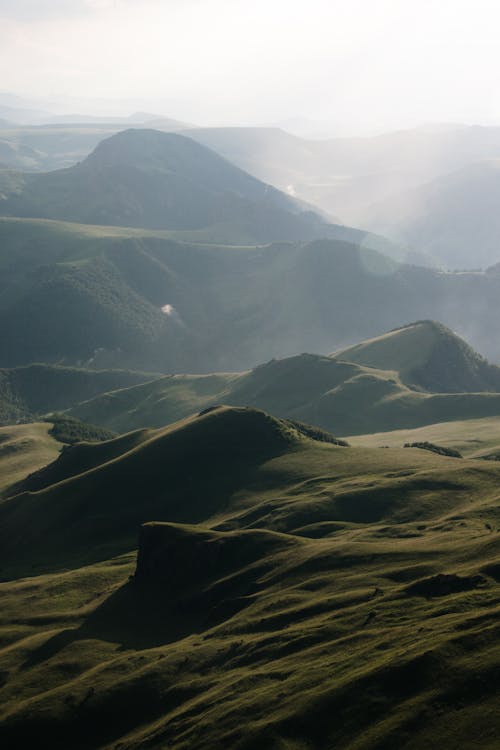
x=473, y=438
x=36, y=389
x=203, y=451
x=25, y=449
x=427, y=356
x=305, y=596
x=416, y=375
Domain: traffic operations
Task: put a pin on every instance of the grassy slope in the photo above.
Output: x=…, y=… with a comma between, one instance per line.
x=158, y=403
x=37, y=389
x=472, y=437
x=210, y=455
x=24, y=449
x=339, y=396
x=299, y=629
x=396, y=350
x=428, y=356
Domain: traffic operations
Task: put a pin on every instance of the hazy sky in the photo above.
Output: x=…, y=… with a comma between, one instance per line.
x=361, y=64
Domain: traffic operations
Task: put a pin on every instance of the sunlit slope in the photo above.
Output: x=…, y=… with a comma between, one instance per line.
x=288, y=387
x=343, y=397
x=221, y=464
x=188, y=472
x=24, y=448
x=429, y=356
x=158, y=403
x=331, y=597
x=473, y=438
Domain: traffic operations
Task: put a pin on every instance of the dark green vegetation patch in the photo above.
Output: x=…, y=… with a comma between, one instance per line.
x=426, y=446
x=70, y=430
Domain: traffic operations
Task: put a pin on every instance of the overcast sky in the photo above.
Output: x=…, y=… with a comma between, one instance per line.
x=364, y=65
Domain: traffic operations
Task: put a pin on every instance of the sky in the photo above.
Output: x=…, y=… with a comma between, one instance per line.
x=362, y=66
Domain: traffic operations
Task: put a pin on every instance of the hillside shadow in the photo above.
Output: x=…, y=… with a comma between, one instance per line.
x=135, y=617
x=140, y=616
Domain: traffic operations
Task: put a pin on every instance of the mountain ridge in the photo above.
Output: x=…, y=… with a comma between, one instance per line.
x=157, y=180
x=435, y=376
x=437, y=360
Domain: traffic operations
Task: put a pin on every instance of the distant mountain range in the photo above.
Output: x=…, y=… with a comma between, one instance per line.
x=414, y=186
x=345, y=175
x=136, y=299
x=201, y=275
x=156, y=180
x=453, y=219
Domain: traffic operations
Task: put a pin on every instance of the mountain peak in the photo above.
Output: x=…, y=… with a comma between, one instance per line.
x=151, y=179
x=428, y=356
x=143, y=147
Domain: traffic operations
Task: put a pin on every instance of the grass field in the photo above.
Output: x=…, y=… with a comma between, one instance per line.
x=307, y=596
x=401, y=349
x=24, y=448
x=472, y=437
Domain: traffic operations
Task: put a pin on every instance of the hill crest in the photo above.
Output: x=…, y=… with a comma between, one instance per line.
x=429, y=357
x=157, y=180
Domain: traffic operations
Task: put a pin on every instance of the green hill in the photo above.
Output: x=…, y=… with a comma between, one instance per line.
x=288, y=594
x=345, y=397
x=157, y=478
x=427, y=356
x=25, y=448
x=473, y=438
x=37, y=389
